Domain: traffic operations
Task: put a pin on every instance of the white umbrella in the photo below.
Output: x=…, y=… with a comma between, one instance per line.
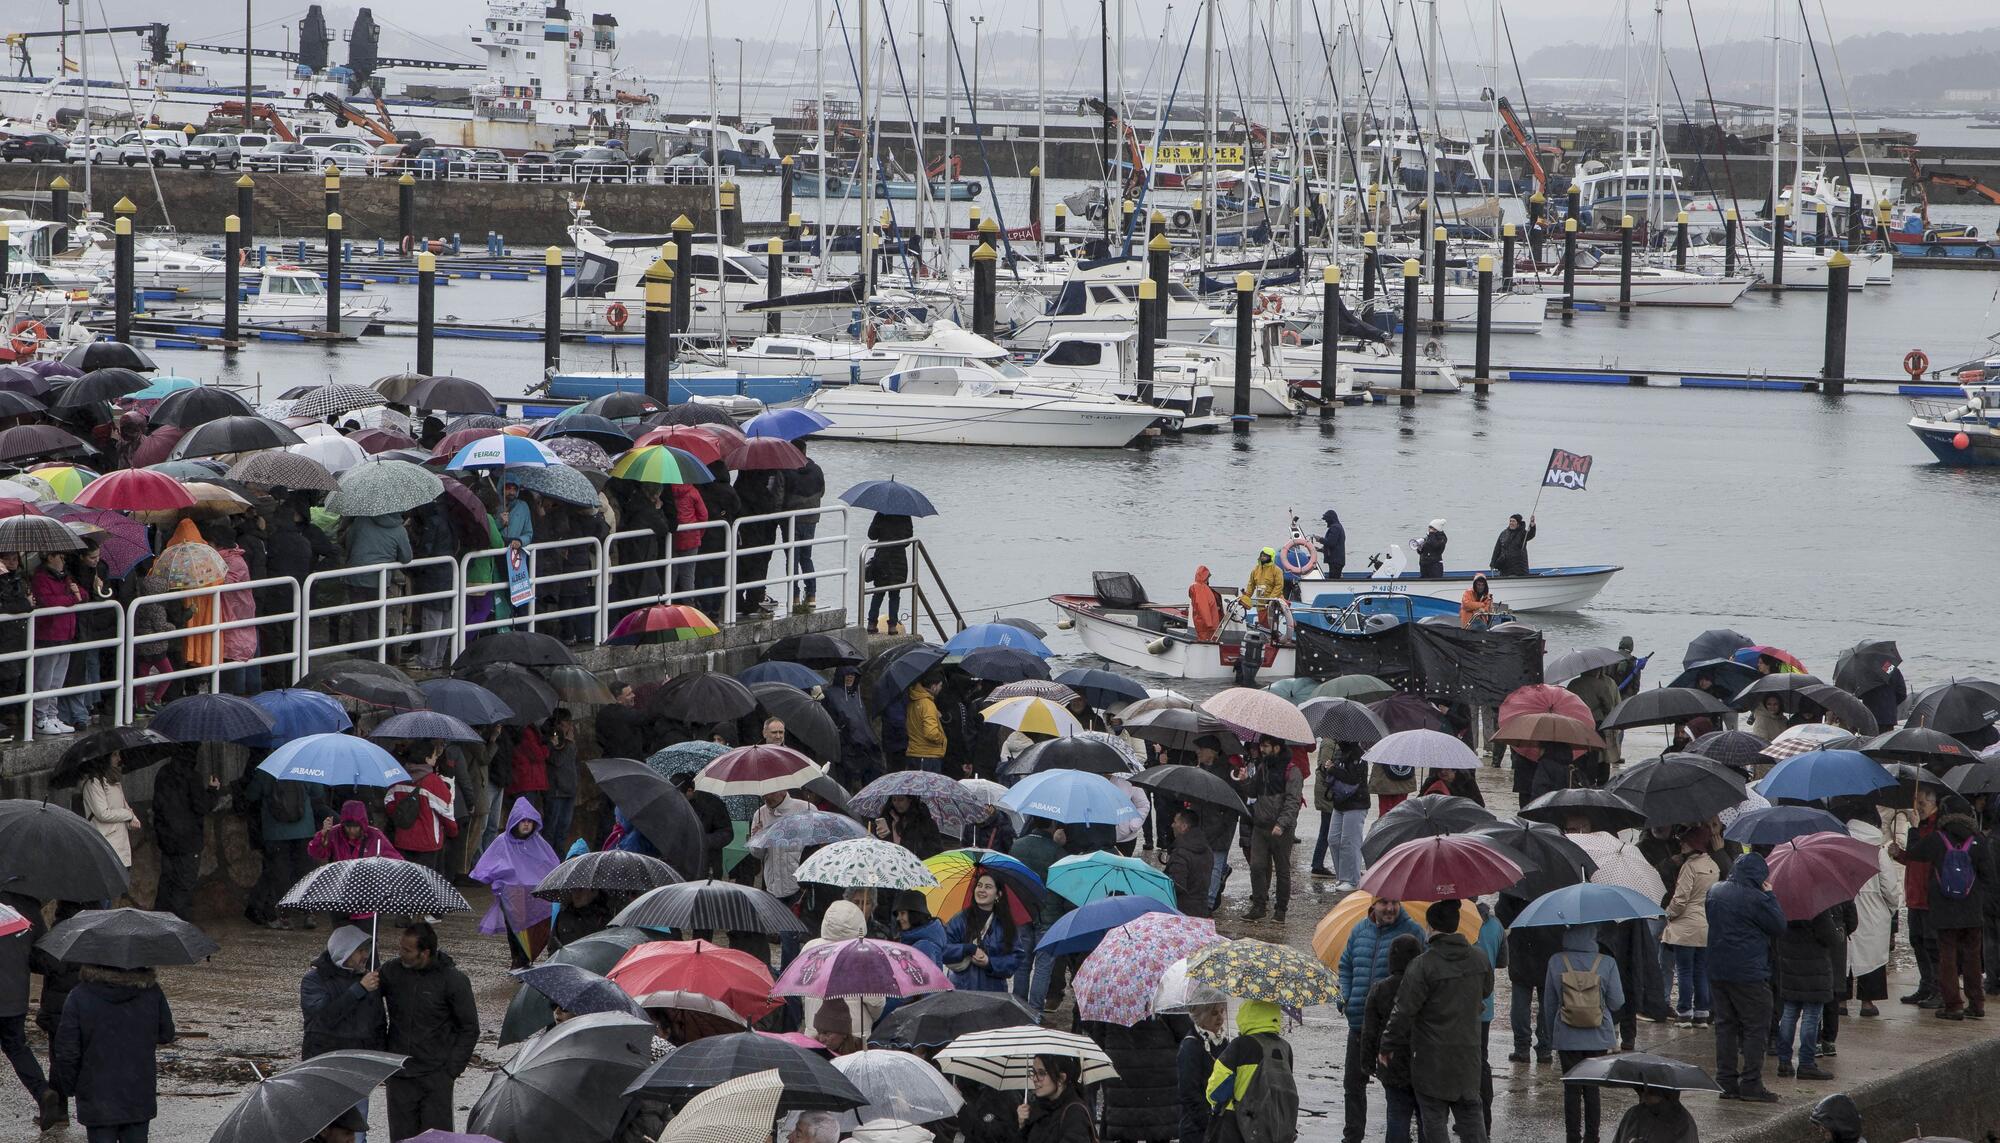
x=866, y=862
x=1177, y=994
x=1004, y=1057
x=334, y=451
x=1423, y=749
x=990, y=792
x=1259, y=712
x=898, y=1086
x=1620, y=863
x=741, y=1110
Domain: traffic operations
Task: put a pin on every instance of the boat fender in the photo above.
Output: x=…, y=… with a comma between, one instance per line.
x=1298, y=557
x=1159, y=646
x=616, y=315
x=1183, y=219
x=1915, y=362
x=408, y=244
x=1065, y=624
x=26, y=334
x=1961, y=441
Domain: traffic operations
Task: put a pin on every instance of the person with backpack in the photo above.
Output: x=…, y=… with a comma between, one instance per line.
x=288, y=814
x=420, y=811
x=1961, y=871
x=1392, y=1068
x=1340, y=794
x=1436, y=1021
x=1744, y=921
x=1364, y=962
x=1588, y=989
x=1253, y=1096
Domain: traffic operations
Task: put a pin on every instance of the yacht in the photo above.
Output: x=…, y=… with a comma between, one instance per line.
x=1364, y=365
x=158, y=263
x=1103, y=297
x=289, y=297
x=960, y=404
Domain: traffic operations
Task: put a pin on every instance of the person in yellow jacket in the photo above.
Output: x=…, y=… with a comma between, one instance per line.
x=925, y=728
x=1266, y=588
x=1257, y=1047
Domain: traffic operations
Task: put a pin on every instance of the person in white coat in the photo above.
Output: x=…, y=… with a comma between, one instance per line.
x=105, y=806
x=1876, y=906
x=844, y=921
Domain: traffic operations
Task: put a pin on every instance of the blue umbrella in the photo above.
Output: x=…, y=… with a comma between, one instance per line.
x=1586, y=904
x=577, y=990
x=1087, y=877
x=1102, y=689
x=777, y=671
x=425, y=724
x=467, y=702
x=211, y=718
x=502, y=451
x=1080, y=929
x=296, y=713
x=995, y=635
x=1774, y=824
x=891, y=497
x=785, y=424
x=1820, y=774
x=334, y=760
x=1071, y=796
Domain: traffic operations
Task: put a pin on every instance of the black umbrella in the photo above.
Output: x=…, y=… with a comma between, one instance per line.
x=467, y=702
x=136, y=749
x=608, y=871
x=1919, y=744
x=827, y=790
x=936, y=1019
x=416, y=725
x=699, y=905
x=211, y=718
x=126, y=938
x=375, y=884
x=1725, y=676
x=1101, y=689
x=1660, y=706
x=819, y=652
x=198, y=406
x=703, y=700
x=234, y=434
x=524, y=648
x=530, y=697
x=1738, y=748
x=1178, y=729
x=24, y=441
x=364, y=681
x=1866, y=665
x=1343, y=720
x=1975, y=778
x=1640, y=1069
x=1962, y=706
x=577, y=686
x=107, y=355
x=1193, y=784
x=590, y=427
x=1549, y=860
x=1842, y=707
x=1003, y=665
x=449, y=395
x=1428, y=815
x=804, y=719
x=51, y=854
x=530, y=1012
x=811, y=1083
x=1087, y=754
x=1401, y=712
x=659, y=812
x=567, y=1084
x=1679, y=788
x=295, y=1105
x=97, y=385
x=1785, y=685
x=1715, y=643
x=1607, y=812
x=14, y=404
x=899, y=667
x=24, y=381
x=578, y=990
x=619, y=406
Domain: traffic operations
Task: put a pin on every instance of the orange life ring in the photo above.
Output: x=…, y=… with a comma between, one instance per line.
x=616, y=314
x=409, y=243
x=25, y=336
x=1915, y=362
x=1290, y=337
x=1270, y=303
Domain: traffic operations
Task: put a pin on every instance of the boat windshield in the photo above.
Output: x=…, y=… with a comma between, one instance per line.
x=292, y=285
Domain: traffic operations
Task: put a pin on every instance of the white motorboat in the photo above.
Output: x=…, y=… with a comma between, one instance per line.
x=1651, y=285
x=1108, y=365
x=289, y=297
x=157, y=263
x=957, y=404
x=1101, y=297
x=827, y=361
x=1295, y=364
x=1542, y=589
x=1158, y=638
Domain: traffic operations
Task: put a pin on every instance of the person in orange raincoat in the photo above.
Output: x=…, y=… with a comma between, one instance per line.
x=1204, y=606
x=197, y=650
x=1475, y=607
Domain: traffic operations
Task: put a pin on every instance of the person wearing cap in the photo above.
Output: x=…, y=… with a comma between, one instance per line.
x=340, y=1000
x=1430, y=551
x=1265, y=587
x=1510, y=551
x=833, y=1027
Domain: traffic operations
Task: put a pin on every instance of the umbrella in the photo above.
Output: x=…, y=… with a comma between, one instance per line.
x=625, y=406
x=661, y=623
x=1663, y=705
x=377, y=441
x=580, y=453
x=1193, y=784
x=527, y=694
x=1974, y=778
x=137, y=748
x=1918, y=744
x=736, y=979
x=981, y=635
x=958, y=870
x=468, y=702
x=586, y=426
x=182, y=566
x=950, y=804
x=939, y=1018
x=1821, y=774
x=790, y=674
x=297, y=1104
x=1004, y=665
x=1773, y=824
x=860, y=862
x=608, y=871
x=1813, y=873
x=1678, y=788
x=784, y=425
x=1071, y=796
x=734, y=1111
x=449, y=444
x=1641, y=1070
x=1101, y=689
x=1082, y=929
x=1807, y=737
x=557, y=481
x=700, y=445
x=1725, y=676
x=42, y=534
x=234, y=434
x=93, y=355
x=1250, y=969
x=126, y=938
x=422, y=724
x=1542, y=698
x=1178, y=729
x=689, y=758
x=24, y=441
x=375, y=885
x=1343, y=720
x=578, y=686
x=1401, y=712
x=331, y=400
x=296, y=714
x=818, y=651
x=899, y=667
x=1004, y=1057
x=889, y=497
x=813, y=828
x=1360, y=688
x=1738, y=748
x=383, y=488
x=1866, y=665
x=567, y=1082
x=100, y=382
x=661, y=464
x=1782, y=686
x=1534, y=729
x=898, y=1086
x=366, y=682
x=1716, y=643
x=1961, y=706
x=135, y=490
x=198, y=405
x=211, y=718
x=501, y=450
x=336, y=454
x=1255, y=712
x=656, y=809
x=529, y=1012
x=1569, y=664
x=1840, y=706
x=1607, y=811
x=1119, y=980
x=804, y=719
x=334, y=760
x=1620, y=863
x=757, y=770
x=1547, y=855
x=1422, y=749
x=24, y=382
x=695, y=905
x=1295, y=690
x=1330, y=935
x=522, y=648
x=1068, y=754
x=1087, y=877
x=860, y=967
x=1435, y=868
x=1427, y=815
x=1586, y=904
x=449, y=395
x=67, y=481
x=52, y=854
x=704, y=699
x=578, y=990
x=810, y=1082
x=1786, y=660
x=764, y=454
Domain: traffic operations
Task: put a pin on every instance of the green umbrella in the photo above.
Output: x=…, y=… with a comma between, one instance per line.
x=384, y=488
x=1360, y=688
x=1295, y=690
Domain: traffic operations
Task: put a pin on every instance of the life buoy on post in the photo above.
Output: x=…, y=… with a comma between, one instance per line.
x=616, y=315
x=1915, y=362
x=1297, y=557
x=1270, y=303
x=25, y=336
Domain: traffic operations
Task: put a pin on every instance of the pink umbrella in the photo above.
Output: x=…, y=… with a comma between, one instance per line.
x=11, y=922
x=1253, y=712
x=1541, y=698
x=757, y=770
x=135, y=490
x=861, y=967
x=1118, y=980
x=1440, y=868
x=1813, y=873
x=799, y=1040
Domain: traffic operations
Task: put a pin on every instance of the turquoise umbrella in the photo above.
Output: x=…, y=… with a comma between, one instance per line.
x=1094, y=876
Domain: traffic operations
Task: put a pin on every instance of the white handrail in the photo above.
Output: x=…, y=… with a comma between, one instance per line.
x=27, y=655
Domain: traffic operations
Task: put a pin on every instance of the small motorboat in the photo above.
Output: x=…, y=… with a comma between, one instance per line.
x=963, y=404
x=1542, y=589
x=1118, y=623
x=685, y=383
x=827, y=361
x=1966, y=435
x=290, y=297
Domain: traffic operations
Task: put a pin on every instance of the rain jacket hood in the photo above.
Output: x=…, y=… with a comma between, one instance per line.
x=843, y=922
x=1257, y=1016
x=1331, y=517
x=1751, y=869
x=353, y=811
x=519, y=862
x=1580, y=938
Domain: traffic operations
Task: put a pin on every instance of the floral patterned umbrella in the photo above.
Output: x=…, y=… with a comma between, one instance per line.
x=952, y=806
x=1258, y=970
x=867, y=862
x=185, y=566
x=579, y=452
x=1117, y=982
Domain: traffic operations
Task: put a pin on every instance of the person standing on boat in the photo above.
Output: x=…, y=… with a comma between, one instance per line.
x=1510, y=551
x=1430, y=551
x=1333, y=546
x=1266, y=588
x=1204, y=606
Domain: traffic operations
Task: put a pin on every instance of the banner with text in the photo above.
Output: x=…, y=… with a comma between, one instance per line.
x=1566, y=470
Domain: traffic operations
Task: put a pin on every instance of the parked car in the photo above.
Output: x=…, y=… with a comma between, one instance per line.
x=436, y=162
x=564, y=162
x=214, y=150
x=603, y=165
x=40, y=146
x=91, y=149
x=155, y=147
x=350, y=157
x=391, y=158
x=283, y=157
x=483, y=163
x=535, y=167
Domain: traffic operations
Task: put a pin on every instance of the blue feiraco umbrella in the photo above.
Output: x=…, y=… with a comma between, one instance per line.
x=1774, y=824
x=296, y=713
x=1820, y=774
x=1071, y=796
x=889, y=496
x=1587, y=904
x=503, y=451
x=334, y=760
x=995, y=635
x=786, y=424
x=1081, y=929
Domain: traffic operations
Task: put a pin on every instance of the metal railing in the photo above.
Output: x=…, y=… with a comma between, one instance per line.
x=31, y=653
x=918, y=560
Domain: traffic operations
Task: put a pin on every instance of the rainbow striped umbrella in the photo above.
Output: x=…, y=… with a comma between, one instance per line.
x=661, y=623
x=66, y=479
x=661, y=464
x=957, y=870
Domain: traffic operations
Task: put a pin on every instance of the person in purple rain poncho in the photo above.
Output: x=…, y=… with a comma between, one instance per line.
x=512, y=866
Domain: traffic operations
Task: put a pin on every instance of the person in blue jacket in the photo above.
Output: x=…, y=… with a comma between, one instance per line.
x=1363, y=961
x=982, y=947
x=1744, y=923
x=916, y=927
x=1574, y=1045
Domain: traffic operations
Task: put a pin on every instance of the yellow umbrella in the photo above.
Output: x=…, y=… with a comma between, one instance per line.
x=1033, y=716
x=66, y=479
x=1330, y=935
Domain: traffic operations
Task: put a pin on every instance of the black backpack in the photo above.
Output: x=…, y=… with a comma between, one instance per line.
x=1269, y=1109
x=288, y=802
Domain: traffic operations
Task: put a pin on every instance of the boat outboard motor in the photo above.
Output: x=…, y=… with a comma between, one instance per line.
x=1252, y=658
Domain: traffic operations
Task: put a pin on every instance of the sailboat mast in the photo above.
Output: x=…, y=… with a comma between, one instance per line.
x=939, y=251
x=1109, y=156
x=1041, y=101
x=950, y=124
x=1435, y=148
x=1301, y=164
x=715, y=179
x=819, y=138
x=1656, y=149
x=1777, y=110
x=1799, y=135
x=1208, y=113
x=867, y=162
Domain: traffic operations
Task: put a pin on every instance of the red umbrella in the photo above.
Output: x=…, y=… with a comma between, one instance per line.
x=1437, y=868
x=1542, y=698
x=1813, y=873
x=731, y=976
x=448, y=447
x=758, y=454
x=756, y=770
x=379, y=440
x=136, y=490
x=157, y=446
x=12, y=507
x=1407, y=712
x=1783, y=656
x=687, y=438
x=724, y=435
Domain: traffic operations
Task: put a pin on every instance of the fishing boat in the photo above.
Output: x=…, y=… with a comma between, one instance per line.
x=291, y=297
x=1966, y=435
x=1118, y=623
x=959, y=404
x=1542, y=589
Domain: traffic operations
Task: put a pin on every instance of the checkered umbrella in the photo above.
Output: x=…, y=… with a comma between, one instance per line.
x=737, y=1111
x=37, y=534
x=283, y=470
x=609, y=870
x=374, y=885
x=335, y=399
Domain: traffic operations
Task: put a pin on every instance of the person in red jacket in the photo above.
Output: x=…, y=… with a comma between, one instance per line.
x=1917, y=898
x=531, y=767
x=689, y=510
x=420, y=810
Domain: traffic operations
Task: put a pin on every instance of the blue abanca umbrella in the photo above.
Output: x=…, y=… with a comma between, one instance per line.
x=890, y=497
x=786, y=424
x=778, y=671
x=1071, y=796
x=1774, y=824
x=1081, y=930
x=1587, y=904
x=981, y=635
x=1820, y=774
x=334, y=760
x=296, y=713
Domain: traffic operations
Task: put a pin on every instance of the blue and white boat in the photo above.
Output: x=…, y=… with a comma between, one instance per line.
x=1359, y=611
x=1542, y=589
x=686, y=384
x=1966, y=435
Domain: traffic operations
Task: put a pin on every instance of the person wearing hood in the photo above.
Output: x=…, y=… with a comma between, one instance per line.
x=57, y=593
x=1437, y=1021
x=340, y=997
x=1367, y=959
x=844, y=921
x=1658, y=1117
x=367, y=540
x=512, y=866
x=1510, y=551
x=239, y=644
x=1875, y=909
x=1265, y=588
x=928, y=745
x=182, y=801
x=916, y=927
x=1257, y=1046
x=1475, y=605
x=1333, y=545
x=860, y=759
x=1574, y=1035
x=1191, y=861
x=104, y=1053
x=1203, y=1044
x=434, y=1020
x=1961, y=875
x=1390, y=1068
x=1340, y=794
x=1744, y=922
x=1599, y=692
x=1430, y=551
x=1274, y=788
x=350, y=836
x=420, y=810
x=1204, y=606
x=1838, y=1119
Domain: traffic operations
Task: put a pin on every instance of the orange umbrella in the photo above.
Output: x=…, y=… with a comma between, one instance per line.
x=1534, y=728
x=1330, y=935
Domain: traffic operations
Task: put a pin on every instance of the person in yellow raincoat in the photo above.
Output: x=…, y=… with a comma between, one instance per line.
x=1265, y=589
x=1256, y=1047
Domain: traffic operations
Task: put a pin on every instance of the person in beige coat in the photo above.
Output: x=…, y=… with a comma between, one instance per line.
x=1686, y=934
x=844, y=921
x=1875, y=907
x=105, y=806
